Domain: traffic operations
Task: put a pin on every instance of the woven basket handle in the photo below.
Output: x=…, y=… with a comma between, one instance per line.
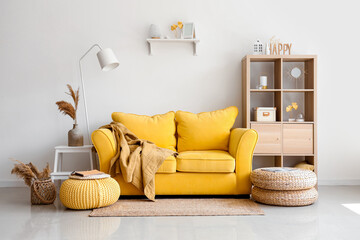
x=41, y=198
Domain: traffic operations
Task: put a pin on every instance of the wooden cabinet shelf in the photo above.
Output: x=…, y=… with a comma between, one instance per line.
x=298, y=90
x=265, y=90
x=281, y=90
x=284, y=142
x=283, y=122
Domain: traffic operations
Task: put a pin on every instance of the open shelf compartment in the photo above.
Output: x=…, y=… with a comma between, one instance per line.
x=267, y=161
x=305, y=102
x=265, y=99
x=298, y=74
x=271, y=69
x=291, y=161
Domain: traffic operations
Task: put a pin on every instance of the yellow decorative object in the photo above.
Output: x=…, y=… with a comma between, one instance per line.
x=304, y=165
x=240, y=144
x=288, y=108
x=180, y=25
x=294, y=105
x=159, y=129
x=173, y=27
x=206, y=130
x=89, y=194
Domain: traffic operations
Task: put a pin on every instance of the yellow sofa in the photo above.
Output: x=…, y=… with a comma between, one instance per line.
x=223, y=170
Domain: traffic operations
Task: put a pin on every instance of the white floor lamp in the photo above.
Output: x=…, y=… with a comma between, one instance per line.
x=108, y=62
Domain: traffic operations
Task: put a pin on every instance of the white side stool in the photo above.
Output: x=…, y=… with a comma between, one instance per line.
x=58, y=174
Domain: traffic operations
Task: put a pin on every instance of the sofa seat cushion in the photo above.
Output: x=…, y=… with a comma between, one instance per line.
x=212, y=161
x=168, y=166
x=159, y=129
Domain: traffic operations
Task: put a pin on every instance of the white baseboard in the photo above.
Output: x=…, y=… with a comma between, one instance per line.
x=352, y=182
x=12, y=183
x=349, y=182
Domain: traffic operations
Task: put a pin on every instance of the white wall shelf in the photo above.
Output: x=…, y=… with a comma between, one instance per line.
x=193, y=41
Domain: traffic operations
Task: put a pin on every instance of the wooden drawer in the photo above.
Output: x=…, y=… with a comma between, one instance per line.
x=298, y=138
x=269, y=138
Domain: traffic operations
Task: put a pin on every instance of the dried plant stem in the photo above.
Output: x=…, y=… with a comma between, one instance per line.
x=67, y=108
x=29, y=172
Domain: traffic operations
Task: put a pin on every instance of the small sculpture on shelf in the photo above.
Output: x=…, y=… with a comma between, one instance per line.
x=154, y=31
x=263, y=82
x=300, y=118
x=293, y=106
x=258, y=47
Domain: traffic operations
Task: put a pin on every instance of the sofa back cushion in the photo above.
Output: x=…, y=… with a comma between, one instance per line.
x=159, y=129
x=206, y=130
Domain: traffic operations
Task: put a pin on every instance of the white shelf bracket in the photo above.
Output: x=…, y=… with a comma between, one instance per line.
x=195, y=48
x=150, y=48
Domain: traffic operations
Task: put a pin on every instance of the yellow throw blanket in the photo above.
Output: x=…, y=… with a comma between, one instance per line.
x=138, y=160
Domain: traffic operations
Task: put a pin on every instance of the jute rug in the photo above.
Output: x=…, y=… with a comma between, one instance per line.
x=179, y=207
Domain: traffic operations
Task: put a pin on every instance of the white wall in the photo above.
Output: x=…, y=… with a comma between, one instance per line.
x=41, y=41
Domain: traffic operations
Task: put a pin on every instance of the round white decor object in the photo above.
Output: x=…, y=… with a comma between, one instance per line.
x=154, y=31
x=295, y=72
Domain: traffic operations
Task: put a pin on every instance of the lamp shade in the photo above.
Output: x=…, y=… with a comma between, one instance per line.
x=107, y=59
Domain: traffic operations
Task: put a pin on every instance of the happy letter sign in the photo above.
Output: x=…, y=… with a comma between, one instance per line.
x=278, y=48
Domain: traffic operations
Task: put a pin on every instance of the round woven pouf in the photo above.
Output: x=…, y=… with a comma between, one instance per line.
x=77, y=193
x=298, y=179
x=285, y=198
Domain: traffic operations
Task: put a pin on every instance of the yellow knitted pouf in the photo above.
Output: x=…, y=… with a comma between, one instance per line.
x=90, y=193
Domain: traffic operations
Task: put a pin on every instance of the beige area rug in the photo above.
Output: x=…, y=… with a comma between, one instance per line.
x=179, y=207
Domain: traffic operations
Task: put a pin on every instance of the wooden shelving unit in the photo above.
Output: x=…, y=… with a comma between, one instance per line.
x=286, y=143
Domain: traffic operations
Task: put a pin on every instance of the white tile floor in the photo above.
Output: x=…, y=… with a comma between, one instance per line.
x=327, y=219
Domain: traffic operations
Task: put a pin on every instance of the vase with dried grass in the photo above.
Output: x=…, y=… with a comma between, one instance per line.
x=75, y=137
x=43, y=190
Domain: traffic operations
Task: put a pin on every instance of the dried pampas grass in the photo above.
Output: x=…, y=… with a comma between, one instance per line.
x=29, y=172
x=67, y=108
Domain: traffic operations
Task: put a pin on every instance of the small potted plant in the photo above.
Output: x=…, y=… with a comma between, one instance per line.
x=177, y=29
x=43, y=190
x=291, y=110
x=75, y=137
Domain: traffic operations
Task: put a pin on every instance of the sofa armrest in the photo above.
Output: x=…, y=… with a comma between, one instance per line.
x=104, y=142
x=241, y=147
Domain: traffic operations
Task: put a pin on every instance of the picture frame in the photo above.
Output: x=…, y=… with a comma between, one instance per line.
x=189, y=30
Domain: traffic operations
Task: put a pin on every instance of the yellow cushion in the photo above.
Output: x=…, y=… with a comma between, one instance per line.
x=304, y=165
x=206, y=130
x=159, y=129
x=213, y=161
x=168, y=166
x=89, y=194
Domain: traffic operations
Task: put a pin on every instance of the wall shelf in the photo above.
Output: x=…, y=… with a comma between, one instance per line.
x=192, y=41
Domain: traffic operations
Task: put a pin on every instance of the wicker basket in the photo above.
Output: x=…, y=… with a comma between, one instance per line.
x=43, y=192
x=293, y=180
x=285, y=198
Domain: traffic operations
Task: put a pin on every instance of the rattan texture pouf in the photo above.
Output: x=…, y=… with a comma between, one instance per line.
x=284, y=188
x=294, y=180
x=89, y=193
x=285, y=198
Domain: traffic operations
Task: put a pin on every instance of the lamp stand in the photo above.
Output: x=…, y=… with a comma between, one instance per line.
x=83, y=90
